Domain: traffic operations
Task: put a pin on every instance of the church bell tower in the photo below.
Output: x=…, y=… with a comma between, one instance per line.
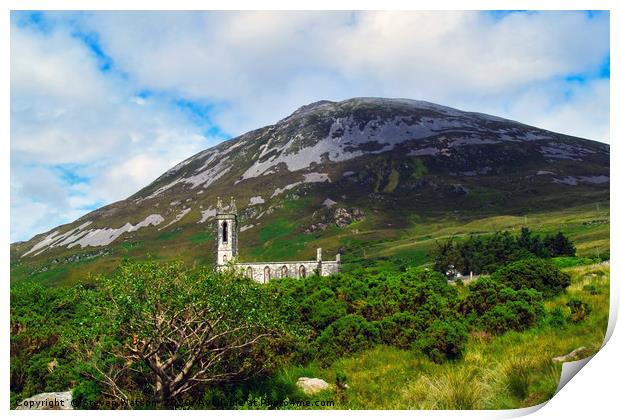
x=226, y=218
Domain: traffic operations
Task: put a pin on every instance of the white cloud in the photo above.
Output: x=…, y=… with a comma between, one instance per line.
x=65, y=111
x=253, y=68
x=264, y=65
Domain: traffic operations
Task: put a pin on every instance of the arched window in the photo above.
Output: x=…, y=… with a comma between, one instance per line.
x=225, y=232
x=248, y=273
x=284, y=271
x=302, y=271
x=267, y=274
x=225, y=258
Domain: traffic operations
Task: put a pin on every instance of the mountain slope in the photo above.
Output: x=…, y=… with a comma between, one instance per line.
x=342, y=175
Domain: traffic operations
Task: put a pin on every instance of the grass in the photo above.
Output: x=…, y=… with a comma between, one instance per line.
x=513, y=370
x=201, y=237
x=277, y=228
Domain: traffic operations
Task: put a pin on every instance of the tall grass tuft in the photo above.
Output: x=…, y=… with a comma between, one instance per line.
x=519, y=378
x=454, y=389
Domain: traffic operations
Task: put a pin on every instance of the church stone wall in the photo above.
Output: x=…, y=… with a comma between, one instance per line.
x=262, y=272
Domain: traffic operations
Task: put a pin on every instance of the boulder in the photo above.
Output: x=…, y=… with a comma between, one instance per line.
x=578, y=353
x=312, y=385
x=48, y=401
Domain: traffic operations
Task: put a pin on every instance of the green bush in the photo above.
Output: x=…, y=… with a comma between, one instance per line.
x=86, y=395
x=398, y=305
x=444, y=340
x=515, y=314
x=533, y=273
x=566, y=262
x=398, y=330
x=556, y=318
x=322, y=308
x=497, y=308
x=349, y=334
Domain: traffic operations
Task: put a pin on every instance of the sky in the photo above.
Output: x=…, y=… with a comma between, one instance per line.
x=102, y=103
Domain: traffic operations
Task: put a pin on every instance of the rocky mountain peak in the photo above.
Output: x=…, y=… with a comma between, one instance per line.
x=361, y=153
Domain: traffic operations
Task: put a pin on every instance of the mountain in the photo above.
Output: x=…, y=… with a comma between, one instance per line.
x=343, y=175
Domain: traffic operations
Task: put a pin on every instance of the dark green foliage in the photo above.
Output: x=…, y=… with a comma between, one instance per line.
x=349, y=312
x=517, y=314
x=349, y=334
x=311, y=320
x=184, y=320
x=556, y=318
x=579, y=310
x=497, y=308
x=559, y=244
x=86, y=395
x=533, y=273
x=486, y=254
x=398, y=330
x=444, y=340
x=42, y=321
x=68, y=338
x=322, y=308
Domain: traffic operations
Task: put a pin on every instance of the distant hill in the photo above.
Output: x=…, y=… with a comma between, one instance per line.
x=342, y=175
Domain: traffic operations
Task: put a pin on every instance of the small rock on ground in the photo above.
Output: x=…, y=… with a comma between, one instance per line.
x=312, y=385
x=578, y=353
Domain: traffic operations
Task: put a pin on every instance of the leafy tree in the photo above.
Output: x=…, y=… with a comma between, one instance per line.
x=559, y=245
x=41, y=340
x=165, y=330
x=485, y=254
x=445, y=255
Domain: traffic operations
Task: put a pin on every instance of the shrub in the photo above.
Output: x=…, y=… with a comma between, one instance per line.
x=515, y=315
x=533, y=273
x=483, y=295
x=579, y=310
x=444, y=340
x=556, y=318
x=349, y=334
x=398, y=330
x=497, y=308
x=86, y=395
x=322, y=308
